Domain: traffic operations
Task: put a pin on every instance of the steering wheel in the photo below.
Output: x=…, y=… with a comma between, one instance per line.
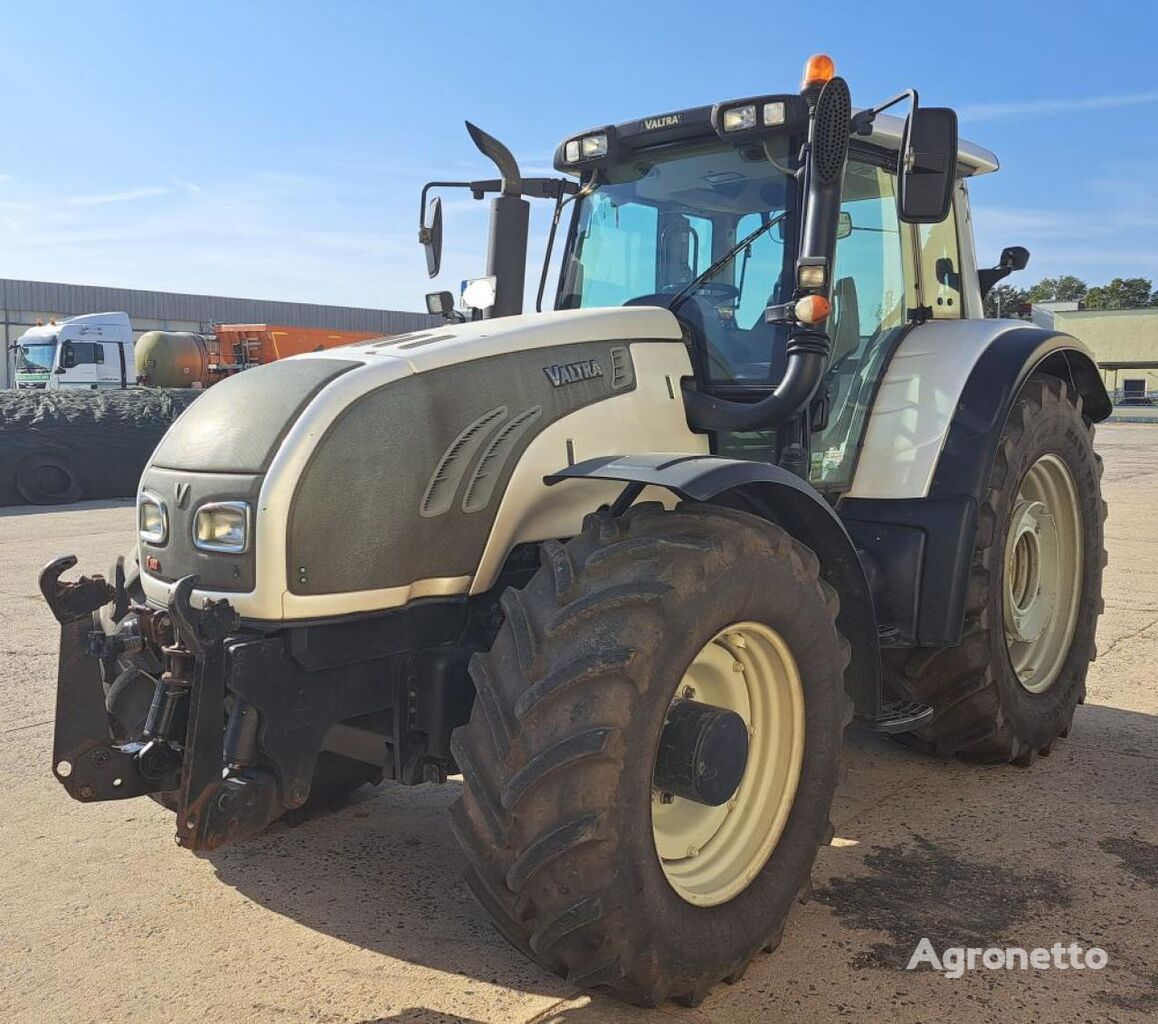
x=717, y=291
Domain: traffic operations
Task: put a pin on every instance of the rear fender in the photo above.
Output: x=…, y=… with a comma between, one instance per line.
x=782, y=498
x=928, y=456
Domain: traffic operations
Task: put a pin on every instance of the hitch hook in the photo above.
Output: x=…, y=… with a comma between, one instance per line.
x=70, y=601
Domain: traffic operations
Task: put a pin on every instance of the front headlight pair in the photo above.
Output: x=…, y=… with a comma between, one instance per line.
x=221, y=526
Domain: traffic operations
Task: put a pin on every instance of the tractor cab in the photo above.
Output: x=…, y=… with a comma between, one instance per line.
x=767, y=234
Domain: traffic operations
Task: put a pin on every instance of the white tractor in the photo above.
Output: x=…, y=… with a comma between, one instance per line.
x=632, y=565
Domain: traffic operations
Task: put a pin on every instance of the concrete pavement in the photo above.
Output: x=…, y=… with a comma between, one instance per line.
x=359, y=916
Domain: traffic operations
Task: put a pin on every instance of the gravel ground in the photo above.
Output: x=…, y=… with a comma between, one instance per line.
x=359, y=916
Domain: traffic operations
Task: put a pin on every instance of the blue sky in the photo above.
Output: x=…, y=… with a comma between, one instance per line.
x=276, y=150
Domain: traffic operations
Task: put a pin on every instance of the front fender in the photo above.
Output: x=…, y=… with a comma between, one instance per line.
x=782, y=498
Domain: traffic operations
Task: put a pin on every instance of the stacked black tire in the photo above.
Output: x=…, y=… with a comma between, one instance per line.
x=58, y=447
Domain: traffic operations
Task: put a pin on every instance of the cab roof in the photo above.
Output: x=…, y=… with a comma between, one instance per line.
x=696, y=122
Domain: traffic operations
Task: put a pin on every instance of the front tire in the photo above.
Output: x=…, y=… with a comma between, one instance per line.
x=1009, y=690
x=559, y=819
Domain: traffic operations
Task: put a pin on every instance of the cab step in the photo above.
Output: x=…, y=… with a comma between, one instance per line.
x=898, y=716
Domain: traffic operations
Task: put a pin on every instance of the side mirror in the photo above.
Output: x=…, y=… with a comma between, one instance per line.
x=928, y=165
x=67, y=357
x=430, y=235
x=1014, y=257
x=844, y=227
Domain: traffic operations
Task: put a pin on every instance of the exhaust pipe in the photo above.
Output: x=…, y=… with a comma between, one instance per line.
x=510, y=217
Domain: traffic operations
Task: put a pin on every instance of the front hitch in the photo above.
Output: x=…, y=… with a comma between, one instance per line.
x=181, y=746
x=85, y=758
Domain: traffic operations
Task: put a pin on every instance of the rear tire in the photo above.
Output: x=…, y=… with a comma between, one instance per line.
x=986, y=711
x=557, y=759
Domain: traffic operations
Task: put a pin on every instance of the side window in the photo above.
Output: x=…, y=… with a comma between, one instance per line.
x=868, y=286
x=868, y=314
x=941, y=268
x=87, y=352
x=617, y=264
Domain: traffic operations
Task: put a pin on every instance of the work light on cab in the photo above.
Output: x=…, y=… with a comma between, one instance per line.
x=775, y=113
x=739, y=118
x=812, y=272
x=589, y=147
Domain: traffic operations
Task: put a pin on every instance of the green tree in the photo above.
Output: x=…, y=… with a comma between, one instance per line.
x=1122, y=293
x=1005, y=301
x=1066, y=288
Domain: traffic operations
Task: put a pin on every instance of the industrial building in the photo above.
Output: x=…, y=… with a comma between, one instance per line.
x=26, y=303
x=1124, y=341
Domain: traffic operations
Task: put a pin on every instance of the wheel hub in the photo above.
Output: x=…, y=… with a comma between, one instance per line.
x=1042, y=581
x=703, y=752
x=744, y=676
x=1031, y=571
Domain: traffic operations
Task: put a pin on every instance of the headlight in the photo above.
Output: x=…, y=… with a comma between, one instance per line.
x=775, y=113
x=589, y=147
x=222, y=526
x=152, y=519
x=739, y=118
x=594, y=145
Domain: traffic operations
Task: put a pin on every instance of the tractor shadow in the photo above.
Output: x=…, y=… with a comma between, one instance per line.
x=16, y=511
x=919, y=843
x=383, y=873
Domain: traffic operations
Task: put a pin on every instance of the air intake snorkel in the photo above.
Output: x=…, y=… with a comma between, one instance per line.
x=510, y=214
x=808, y=345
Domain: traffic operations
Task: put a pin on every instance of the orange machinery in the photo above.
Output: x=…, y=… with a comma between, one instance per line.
x=247, y=344
x=180, y=359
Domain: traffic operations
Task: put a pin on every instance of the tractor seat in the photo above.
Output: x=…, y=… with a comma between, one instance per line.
x=845, y=321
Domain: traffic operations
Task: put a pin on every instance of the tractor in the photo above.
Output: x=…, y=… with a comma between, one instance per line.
x=632, y=565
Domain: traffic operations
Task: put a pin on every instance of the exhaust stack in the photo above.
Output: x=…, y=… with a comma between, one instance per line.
x=510, y=216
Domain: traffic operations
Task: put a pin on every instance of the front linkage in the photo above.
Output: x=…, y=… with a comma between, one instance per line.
x=180, y=749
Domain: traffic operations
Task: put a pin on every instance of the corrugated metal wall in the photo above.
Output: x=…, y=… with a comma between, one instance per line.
x=23, y=302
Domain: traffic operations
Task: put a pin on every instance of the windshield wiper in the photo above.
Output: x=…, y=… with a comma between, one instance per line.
x=723, y=261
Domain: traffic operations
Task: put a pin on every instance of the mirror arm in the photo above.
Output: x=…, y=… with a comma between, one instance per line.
x=535, y=188
x=423, y=230
x=862, y=122
x=988, y=277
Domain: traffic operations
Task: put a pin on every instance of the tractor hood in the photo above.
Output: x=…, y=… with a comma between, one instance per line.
x=380, y=466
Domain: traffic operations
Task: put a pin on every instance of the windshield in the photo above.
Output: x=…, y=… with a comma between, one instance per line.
x=35, y=358
x=651, y=226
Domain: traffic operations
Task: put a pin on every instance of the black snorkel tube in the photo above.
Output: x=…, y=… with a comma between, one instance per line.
x=808, y=346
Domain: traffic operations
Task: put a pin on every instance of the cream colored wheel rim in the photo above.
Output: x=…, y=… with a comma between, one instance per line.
x=1041, y=589
x=711, y=854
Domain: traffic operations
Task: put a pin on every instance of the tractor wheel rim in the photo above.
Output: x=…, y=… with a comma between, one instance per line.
x=711, y=854
x=1042, y=582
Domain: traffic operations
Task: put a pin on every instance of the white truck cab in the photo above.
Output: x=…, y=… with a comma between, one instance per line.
x=94, y=350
